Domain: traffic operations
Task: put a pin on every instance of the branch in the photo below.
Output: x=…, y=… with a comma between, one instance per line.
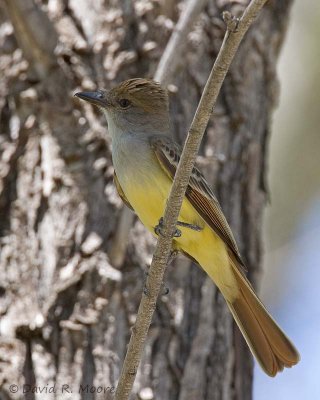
x=236, y=30
x=164, y=73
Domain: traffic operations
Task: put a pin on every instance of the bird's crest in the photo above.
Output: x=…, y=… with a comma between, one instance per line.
x=145, y=93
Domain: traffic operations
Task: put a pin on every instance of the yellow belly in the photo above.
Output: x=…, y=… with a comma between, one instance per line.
x=148, y=201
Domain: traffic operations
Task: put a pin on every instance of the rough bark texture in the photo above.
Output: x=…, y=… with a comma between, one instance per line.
x=66, y=312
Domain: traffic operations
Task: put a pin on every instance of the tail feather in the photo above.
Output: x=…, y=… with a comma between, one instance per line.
x=271, y=347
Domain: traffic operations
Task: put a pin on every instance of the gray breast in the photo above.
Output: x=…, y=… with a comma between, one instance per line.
x=133, y=159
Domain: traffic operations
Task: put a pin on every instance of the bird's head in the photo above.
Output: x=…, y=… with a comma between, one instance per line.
x=134, y=106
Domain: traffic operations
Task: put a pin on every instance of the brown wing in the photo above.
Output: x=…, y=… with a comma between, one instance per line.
x=120, y=191
x=198, y=192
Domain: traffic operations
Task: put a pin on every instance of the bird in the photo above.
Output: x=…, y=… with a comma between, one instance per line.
x=145, y=158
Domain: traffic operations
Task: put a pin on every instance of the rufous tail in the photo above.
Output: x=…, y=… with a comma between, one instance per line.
x=271, y=347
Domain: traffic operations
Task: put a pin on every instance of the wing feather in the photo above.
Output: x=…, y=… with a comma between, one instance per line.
x=198, y=192
x=121, y=192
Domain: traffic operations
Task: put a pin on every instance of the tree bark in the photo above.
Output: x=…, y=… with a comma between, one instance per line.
x=66, y=310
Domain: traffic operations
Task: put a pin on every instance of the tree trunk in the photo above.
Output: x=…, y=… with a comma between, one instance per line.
x=66, y=308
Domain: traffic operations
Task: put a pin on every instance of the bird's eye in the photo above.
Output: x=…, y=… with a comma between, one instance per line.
x=124, y=103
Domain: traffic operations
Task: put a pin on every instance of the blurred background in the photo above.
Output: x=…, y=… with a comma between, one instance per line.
x=290, y=284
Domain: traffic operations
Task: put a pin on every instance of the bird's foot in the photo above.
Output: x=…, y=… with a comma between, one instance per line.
x=190, y=226
x=158, y=229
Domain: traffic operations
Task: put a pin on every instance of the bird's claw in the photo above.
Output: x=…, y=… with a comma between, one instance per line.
x=158, y=229
x=190, y=226
x=177, y=233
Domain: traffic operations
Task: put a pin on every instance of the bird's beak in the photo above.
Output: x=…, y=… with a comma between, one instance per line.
x=97, y=98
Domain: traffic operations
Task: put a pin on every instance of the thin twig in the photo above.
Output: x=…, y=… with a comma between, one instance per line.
x=148, y=302
x=164, y=73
